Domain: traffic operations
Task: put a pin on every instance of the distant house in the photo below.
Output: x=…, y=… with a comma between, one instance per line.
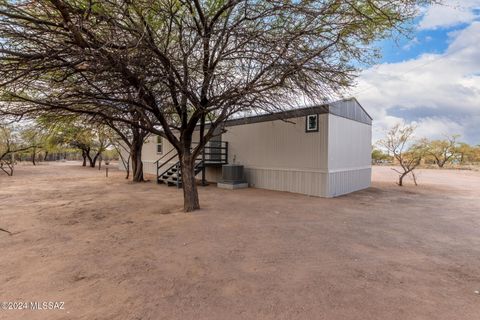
x=321, y=151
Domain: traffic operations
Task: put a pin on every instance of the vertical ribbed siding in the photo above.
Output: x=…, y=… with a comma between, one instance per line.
x=349, y=155
x=279, y=155
x=348, y=181
x=279, y=144
x=306, y=182
x=349, y=144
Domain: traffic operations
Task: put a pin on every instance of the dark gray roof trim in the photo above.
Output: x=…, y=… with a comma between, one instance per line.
x=348, y=108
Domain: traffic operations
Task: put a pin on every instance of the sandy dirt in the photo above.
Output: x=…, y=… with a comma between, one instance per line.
x=110, y=249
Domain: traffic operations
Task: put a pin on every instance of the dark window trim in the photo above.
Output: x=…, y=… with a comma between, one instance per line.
x=306, y=123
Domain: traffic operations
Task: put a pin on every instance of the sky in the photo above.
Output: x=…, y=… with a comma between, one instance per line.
x=430, y=78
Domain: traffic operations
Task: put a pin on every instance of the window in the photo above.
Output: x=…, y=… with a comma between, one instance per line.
x=311, y=123
x=159, y=145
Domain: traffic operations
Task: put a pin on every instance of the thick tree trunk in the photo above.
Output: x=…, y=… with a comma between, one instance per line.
x=190, y=192
x=85, y=156
x=46, y=156
x=34, y=155
x=136, y=156
x=93, y=162
x=90, y=160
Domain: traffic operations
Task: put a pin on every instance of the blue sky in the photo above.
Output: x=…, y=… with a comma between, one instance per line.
x=430, y=78
x=422, y=41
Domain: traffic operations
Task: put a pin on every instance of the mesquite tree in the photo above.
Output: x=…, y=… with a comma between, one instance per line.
x=187, y=64
x=131, y=138
x=442, y=150
x=399, y=143
x=10, y=144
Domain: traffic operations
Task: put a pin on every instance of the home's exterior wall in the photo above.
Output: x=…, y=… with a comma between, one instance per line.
x=280, y=155
x=349, y=155
x=150, y=155
x=125, y=155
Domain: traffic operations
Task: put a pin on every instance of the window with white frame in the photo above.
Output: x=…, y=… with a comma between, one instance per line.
x=159, y=144
x=311, y=123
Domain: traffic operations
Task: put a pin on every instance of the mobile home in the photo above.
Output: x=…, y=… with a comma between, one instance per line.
x=320, y=150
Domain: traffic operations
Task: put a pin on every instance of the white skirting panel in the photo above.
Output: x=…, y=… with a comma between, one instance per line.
x=343, y=182
x=149, y=167
x=305, y=182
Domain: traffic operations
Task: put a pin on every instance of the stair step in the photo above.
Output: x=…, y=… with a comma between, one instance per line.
x=173, y=176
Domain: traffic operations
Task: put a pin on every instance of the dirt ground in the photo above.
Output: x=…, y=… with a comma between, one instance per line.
x=110, y=249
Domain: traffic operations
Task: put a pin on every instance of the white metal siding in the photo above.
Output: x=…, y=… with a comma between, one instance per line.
x=150, y=155
x=349, y=155
x=279, y=144
x=291, y=180
x=344, y=182
x=280, y=155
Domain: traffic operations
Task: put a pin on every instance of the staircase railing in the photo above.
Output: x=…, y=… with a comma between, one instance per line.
x=213, y=153
x=173, y=153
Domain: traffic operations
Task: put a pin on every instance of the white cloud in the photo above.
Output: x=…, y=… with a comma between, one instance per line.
x=449, y=14
x=441, y=92
x=438, y=127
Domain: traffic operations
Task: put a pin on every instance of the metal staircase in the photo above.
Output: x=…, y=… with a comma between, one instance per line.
x=215, y=153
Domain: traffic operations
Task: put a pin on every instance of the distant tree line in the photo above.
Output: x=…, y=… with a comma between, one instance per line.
x=54, y=139
x=400, y=148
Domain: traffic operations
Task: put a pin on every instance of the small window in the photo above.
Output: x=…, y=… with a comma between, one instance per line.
x=159, y=145
x=311, y=123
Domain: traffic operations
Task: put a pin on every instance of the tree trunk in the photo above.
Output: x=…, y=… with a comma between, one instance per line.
x=90, y=160
x=34, y=153
x=136, y=155
x=127, y=168
x=400, y=179
x=46, y=156
x=414, y=178
x=190, y=192
x=84, y=156
x=93, y=162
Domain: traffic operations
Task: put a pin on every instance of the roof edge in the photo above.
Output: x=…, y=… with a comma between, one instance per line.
x=296, y=113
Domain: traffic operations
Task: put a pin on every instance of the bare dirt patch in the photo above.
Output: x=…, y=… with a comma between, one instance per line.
x=111, y=249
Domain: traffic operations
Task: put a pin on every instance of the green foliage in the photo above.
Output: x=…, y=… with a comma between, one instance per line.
x=442, y=151
x=378, y=156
